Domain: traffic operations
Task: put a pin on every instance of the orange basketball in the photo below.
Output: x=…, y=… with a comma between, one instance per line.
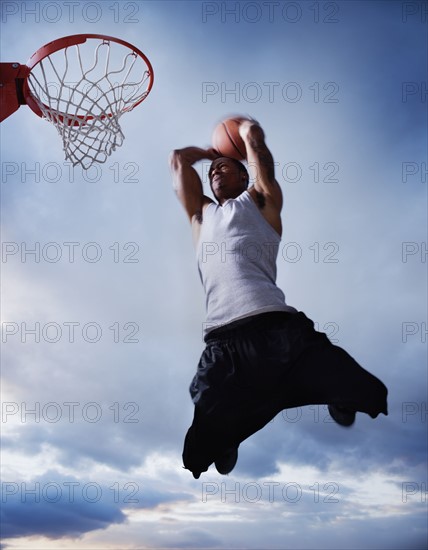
x=227, y=141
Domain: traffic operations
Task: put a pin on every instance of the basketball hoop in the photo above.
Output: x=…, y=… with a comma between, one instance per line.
x=82, y=84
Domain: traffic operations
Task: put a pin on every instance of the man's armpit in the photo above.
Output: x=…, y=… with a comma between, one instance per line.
x=260, y=200
x=198, y=216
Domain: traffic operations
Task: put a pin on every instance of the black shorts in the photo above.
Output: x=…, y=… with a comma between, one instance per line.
x=255, y=367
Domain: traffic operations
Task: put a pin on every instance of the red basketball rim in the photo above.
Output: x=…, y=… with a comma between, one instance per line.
x=72, y=40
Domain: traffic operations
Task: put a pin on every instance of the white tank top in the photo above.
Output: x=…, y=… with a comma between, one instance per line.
x=236, y=254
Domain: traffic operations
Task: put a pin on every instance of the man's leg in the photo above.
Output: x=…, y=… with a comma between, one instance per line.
x=230, y=404
x=323, y=373
x=219, y=403
x=199, y=445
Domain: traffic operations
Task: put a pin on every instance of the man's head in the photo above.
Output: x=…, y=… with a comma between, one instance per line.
x=228, y=178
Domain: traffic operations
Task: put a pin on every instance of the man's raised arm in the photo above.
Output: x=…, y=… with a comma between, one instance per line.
x=260, y=162
x=186, y=181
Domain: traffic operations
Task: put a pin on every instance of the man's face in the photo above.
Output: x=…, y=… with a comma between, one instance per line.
x=226, y=180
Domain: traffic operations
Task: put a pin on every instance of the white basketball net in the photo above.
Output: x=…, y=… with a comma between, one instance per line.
x=84, y=96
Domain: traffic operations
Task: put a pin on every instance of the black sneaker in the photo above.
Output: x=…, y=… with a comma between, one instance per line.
x=344, y=417
x=196, y=475
x=225, y=464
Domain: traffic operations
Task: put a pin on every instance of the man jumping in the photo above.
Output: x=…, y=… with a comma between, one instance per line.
x=261, y=355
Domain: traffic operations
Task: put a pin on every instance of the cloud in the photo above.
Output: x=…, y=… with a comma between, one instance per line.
x=55, y=506
x=195, y=538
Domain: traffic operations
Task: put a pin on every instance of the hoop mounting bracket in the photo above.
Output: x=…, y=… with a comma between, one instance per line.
x=12, y=77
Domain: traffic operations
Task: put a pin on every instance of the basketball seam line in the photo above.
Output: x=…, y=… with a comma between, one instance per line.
x=232, y=141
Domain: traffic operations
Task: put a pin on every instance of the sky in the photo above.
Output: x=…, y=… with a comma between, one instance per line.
x=101, y=338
